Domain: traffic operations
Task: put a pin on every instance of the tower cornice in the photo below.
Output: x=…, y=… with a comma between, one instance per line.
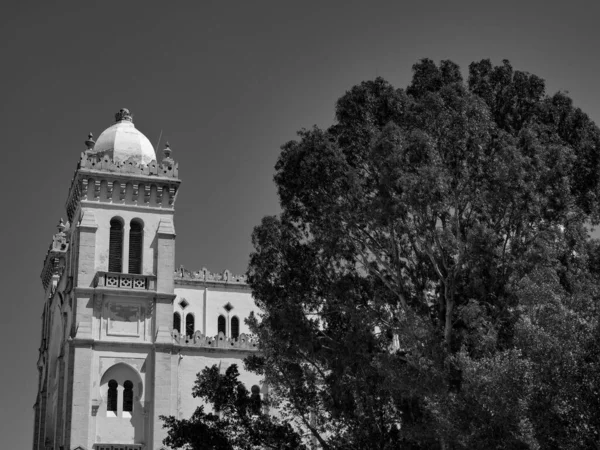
x=101, y=181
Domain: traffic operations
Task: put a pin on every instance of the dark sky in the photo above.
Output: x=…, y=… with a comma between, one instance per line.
x=227, y=83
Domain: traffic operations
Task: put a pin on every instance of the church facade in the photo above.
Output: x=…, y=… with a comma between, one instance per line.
x=124, y=332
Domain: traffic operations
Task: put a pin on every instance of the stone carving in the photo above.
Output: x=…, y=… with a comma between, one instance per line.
x=55, y=262
x=243, y=342
x=115, y=280
x=204, y=275
x=123, y=114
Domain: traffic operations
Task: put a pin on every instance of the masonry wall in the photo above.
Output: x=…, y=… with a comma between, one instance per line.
x=206, y=303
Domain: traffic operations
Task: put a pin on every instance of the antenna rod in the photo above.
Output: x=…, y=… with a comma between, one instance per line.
x=159, y=137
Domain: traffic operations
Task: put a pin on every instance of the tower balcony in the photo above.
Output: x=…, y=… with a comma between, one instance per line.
x=118, y=446
x=116, y=280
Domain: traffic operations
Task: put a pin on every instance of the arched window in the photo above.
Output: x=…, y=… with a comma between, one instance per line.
x=111, y=398
x=136, y=234
x=221, y=325
x=255, y=400
x=235, y=327
x=189, y=325
x=177, y=322
x=128, y=396
x=115, y=246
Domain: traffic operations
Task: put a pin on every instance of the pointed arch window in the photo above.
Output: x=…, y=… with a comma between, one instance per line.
x=235, y=327
x=221, y=324
x=128, y=396
x=115, y=246
x=111, y=398
x=177, y=322
x=136, y=237
x=189, y=325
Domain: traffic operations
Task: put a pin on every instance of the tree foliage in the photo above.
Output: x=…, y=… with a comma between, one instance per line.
x=430, y=282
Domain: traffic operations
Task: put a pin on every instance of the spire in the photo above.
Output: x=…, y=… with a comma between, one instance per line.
x=122, y=115
x=89, y=143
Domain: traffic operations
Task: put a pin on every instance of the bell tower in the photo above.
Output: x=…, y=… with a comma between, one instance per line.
x=105, y=365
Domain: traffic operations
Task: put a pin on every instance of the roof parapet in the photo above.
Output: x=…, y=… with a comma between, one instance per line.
x=205, y=275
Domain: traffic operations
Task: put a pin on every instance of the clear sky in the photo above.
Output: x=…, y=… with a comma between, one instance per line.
x=227, y=83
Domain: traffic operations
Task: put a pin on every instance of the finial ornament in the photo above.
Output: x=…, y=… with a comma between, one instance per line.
x=89, y=143
x=123, y=114
x=167, y=150
x=61, y=225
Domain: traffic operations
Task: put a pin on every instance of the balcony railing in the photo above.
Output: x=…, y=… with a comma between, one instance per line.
x=117, y=280
x=118, y=446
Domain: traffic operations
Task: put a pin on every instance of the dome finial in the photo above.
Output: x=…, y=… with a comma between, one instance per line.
x=123, y=114
x=89, y=143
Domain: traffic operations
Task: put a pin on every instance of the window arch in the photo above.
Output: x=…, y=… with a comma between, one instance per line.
x=189, y=325
x=115, y=245
x=177, y=322
x=128, y=396
x=111, y=398
x=235, y=327
x=136, y=237
x=221, y=325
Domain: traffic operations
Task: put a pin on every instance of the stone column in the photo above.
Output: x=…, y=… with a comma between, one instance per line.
x=81, y=396
x=86, y=265
x=163, y=402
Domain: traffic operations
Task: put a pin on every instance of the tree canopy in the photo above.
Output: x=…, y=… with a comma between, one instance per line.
x=430, y=282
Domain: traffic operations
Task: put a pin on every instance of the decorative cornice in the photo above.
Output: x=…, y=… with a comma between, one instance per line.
x=98, y=179
x=225, y=277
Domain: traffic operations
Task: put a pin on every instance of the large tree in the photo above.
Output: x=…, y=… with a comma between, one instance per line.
x=430, y=282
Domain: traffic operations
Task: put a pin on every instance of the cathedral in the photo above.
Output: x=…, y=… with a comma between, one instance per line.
x=124, y=332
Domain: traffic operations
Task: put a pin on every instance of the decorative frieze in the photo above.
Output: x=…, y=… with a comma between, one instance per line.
x=243, y=342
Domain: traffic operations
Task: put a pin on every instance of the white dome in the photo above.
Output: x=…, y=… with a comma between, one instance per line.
x=123, y=141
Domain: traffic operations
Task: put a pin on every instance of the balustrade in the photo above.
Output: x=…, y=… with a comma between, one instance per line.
x=117, y=280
